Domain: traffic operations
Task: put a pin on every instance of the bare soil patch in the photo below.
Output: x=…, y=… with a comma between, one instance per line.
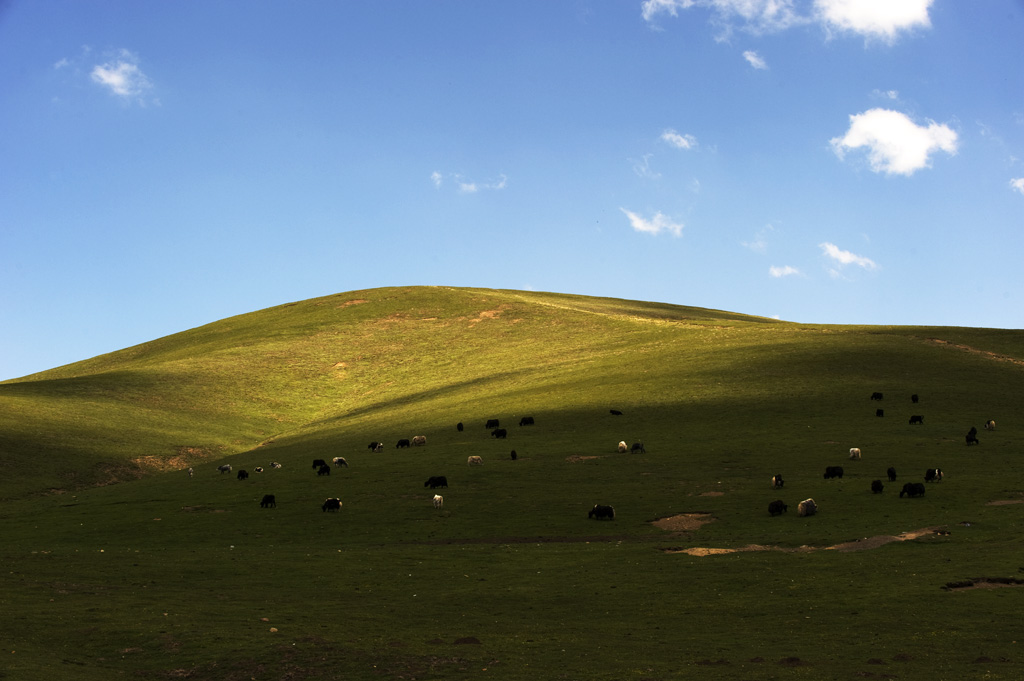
x=577, y=458
x=712, y=494
x=1005, y=502
x=684, y=522
x=984, y=583
x=975, y=351
x=856, y=545
x=354, y=301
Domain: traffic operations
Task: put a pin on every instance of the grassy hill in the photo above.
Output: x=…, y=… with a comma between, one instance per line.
x=171, y=576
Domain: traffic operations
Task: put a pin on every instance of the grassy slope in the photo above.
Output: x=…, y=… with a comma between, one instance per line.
x=169, y=573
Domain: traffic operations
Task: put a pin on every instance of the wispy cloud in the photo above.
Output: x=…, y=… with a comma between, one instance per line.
x=843, y=258
x=1018, y=184
x=874, y=19
x=122, y=77
x=882, y=19
x=755, y=60
x=655, y=225
x=465, y=186
x=755, y=16
x=677, y=140
x=760, y=240
x=785, y=271
x=895, y=144
x=643, y=167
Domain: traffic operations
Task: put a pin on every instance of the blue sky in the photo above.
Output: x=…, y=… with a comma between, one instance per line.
x=166, y=165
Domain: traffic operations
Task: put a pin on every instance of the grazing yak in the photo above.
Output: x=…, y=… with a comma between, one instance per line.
x=323, y=470
x=637, y=447
x=879, y=412
x=339, y=461
x=317, y=463
x=259, y=469
x=990, y=425
x=474, y=461
x=226, y=468
x=438, y=501
x=513, y=455
x=499, y=433
x=877, y=486
x=876, y=396
x=402, y=443
x=777, y=481
x=917, y=420
x=833, y=472
x=526, y=421
x=191, y=472
x=435, y=481
x=806, y=507
x=243, y=474
x=331, y=504
x=933, y=475
x=602, y=512
x=459, y=426
x=615, y=412
x=491, y=423
x=777, y=507
x=268, y=501
x=274, y=464
x=912, y=489
x=914, y=398
x=623, y=447
x=419, y=440
x=855, y=453
x=891, y=472
x=376, y=446
x=971, y=439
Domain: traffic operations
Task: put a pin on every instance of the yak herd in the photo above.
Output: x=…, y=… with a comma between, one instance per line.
x=807, y=507
x=910, y=489
x=322, y=468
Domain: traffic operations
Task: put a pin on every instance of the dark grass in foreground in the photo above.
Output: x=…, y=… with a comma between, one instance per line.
x=168, y=576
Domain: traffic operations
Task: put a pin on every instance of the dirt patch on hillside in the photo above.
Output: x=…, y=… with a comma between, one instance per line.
x=984, y=583
x=486, y=314
x=684, y=522
x=712, y=494
x=845, y=547
x=354, y=301
x=975, y=351
x=576, y=458
x=1005, y=502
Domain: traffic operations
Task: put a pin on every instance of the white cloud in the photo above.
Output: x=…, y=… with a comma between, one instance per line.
x=755, y=60
x=652, y=8
x=760, y=242
x=122, y=76
x=62, y=63
x=643, y=168
x=884, y=19
x=895, y=144
x=874, y=18
x=466, y=186
x=756, y=16
x=678, y=141
x=1018, y=184
x=656, y=225
x=846, y=257
x=785, y=271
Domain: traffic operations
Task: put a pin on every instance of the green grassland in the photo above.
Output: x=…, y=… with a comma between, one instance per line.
x=115, y=563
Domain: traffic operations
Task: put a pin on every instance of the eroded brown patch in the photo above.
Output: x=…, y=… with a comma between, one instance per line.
x=975, y=351
x=1005, y=502
x=712, y=494
x=576, y=458
x=354, y=301
x=684, y=522
x=984, y=583
x=857, y=545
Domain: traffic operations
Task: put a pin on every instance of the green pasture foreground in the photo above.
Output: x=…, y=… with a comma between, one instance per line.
x=167, y=576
